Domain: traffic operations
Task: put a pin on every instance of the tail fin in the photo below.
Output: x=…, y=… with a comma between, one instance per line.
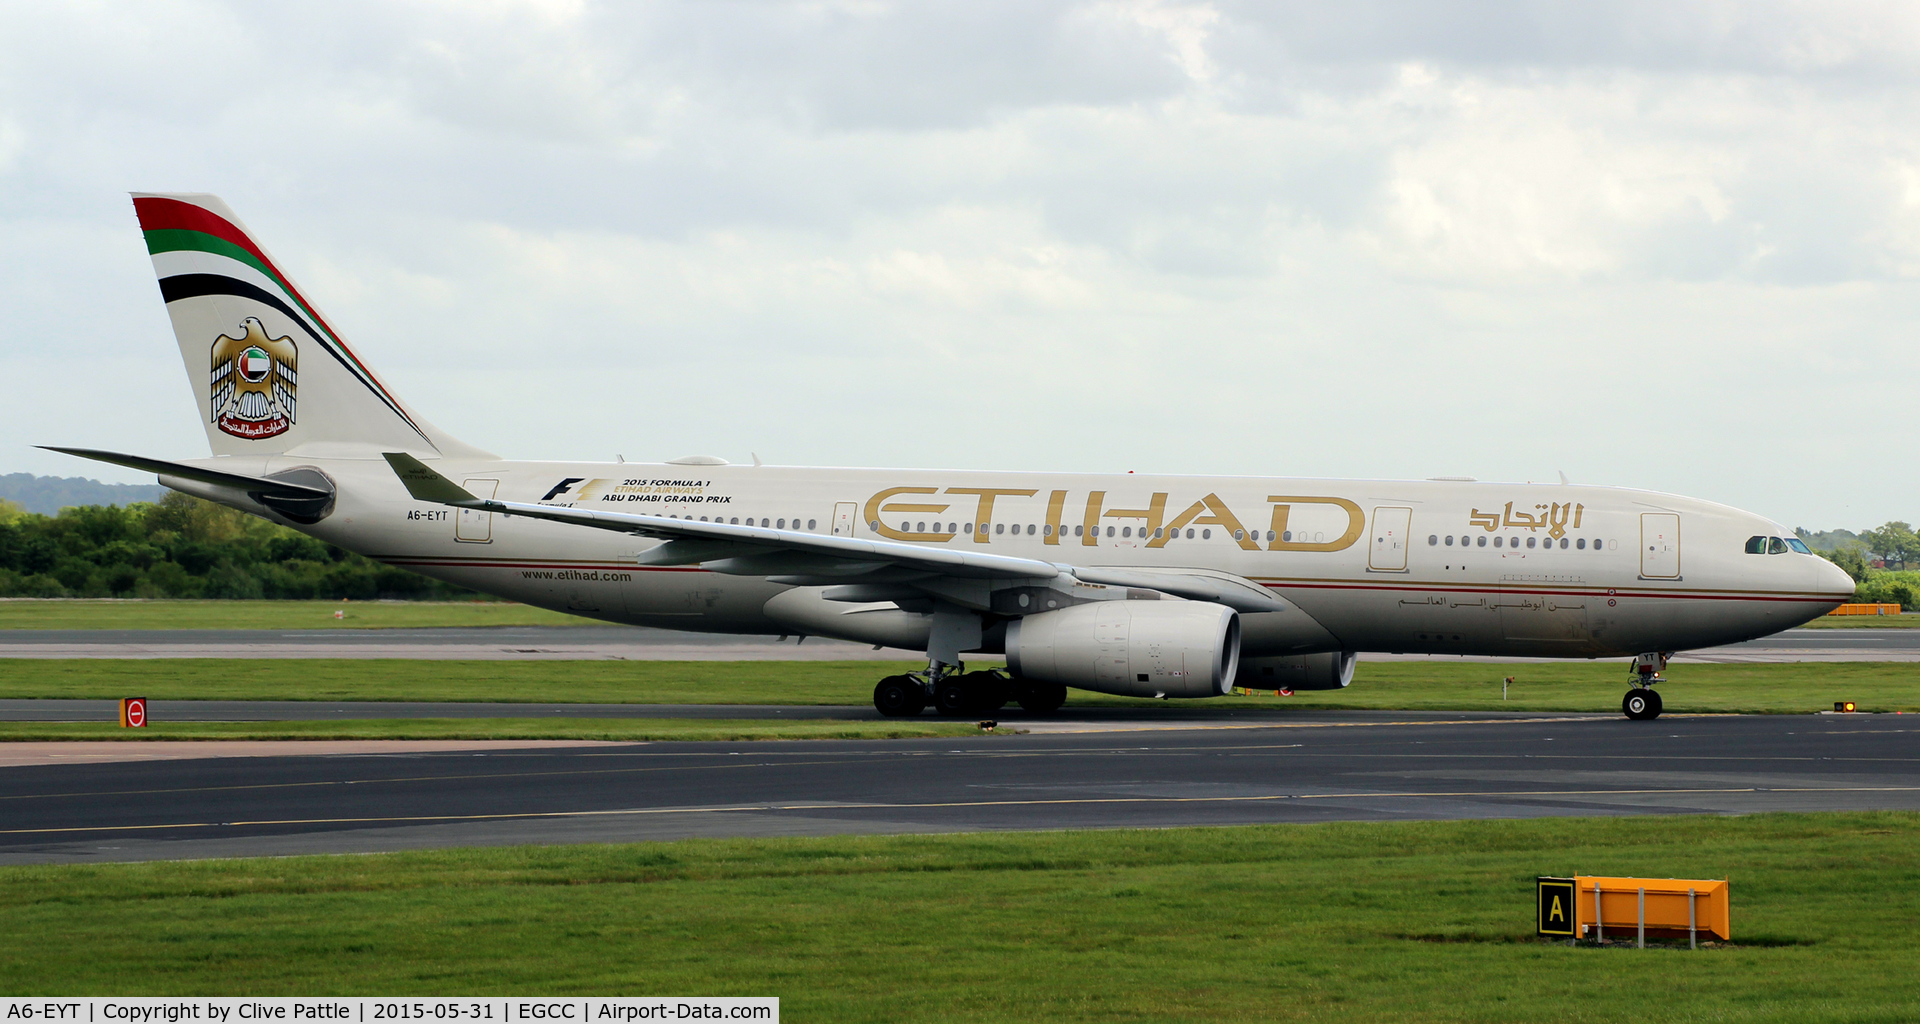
x=269, y=372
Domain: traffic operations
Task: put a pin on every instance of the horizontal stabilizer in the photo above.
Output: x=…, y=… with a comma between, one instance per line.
x=249, y=484
x=426, y=485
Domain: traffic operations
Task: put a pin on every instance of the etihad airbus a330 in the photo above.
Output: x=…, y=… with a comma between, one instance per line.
x=1148, y=586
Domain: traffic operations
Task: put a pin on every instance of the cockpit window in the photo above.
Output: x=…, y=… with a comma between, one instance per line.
x=1776, y=546
x=1756, y=545
x=1798, y=545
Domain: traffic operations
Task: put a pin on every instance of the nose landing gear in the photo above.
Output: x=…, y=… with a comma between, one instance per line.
x=1641, y=703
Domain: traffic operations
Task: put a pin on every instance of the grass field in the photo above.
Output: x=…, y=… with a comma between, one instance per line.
x=1569, y=686
x=81, y=614
x=1905, y=620
x=1420, y=921
x=629, y=730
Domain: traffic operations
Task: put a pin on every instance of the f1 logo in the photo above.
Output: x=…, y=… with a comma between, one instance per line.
x=133, y=712
x=561, y=487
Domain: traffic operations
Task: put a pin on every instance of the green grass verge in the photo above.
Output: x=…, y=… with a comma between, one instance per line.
x=1905, y=620
x=629, y=730
x=83, y=614
x=1401, y=685
x=1403, y=921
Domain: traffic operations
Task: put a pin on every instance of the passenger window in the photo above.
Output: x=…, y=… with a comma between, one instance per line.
x=1756, y=545
x=1109, y=531
x=1029, y=529
x=1126, y=531
x=1449, y=540
x=1563, y=543
x=1776, y=546
x=1156, y=533
x=1079, y=531
x=1497, y=541
x=969, y=527
x=1047, y=530
x=1206, y=534
x=1433, y=540
x=1000, y=528
x=1530, y=541
x=1189, y=533
x=1238, y=535
x=1287, y=535
x=1269, y=536
x=1798, y=545
x=1581, y=544
x=810, y=523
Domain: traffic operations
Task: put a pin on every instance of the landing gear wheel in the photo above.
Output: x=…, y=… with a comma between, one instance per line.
x=1041, y=698
x=899, y=697
x=1641, y=705
x=990, y=692
x=954, y=698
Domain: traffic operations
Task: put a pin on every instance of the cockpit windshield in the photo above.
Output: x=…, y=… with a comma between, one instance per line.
x=1776, y=545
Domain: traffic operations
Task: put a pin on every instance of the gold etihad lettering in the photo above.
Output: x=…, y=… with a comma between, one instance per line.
x=877, y=511
x=1553, y=518
x=1216, y=513
x=1155, y=511
x=1209, y=510
x=1283, y=508
x=983, y=515
x=1055, y=502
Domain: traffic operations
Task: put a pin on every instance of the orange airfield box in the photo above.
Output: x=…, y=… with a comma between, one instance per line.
x=1619, y=913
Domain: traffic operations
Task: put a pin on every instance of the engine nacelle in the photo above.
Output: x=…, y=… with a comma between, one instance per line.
x=1330, y=671
x=1130, y=648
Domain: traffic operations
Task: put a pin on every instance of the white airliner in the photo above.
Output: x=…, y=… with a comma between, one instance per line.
x=1149, y=586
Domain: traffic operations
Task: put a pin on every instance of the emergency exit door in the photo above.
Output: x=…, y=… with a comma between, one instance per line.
x=844, y=518
x=1389, y=552
x=1659, y=545
x=470, y=525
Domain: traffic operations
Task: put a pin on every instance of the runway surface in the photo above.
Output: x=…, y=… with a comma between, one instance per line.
x=1316, y=767
x=641, y=643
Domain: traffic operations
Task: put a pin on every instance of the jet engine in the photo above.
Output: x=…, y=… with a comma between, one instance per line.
x=1330, y=671
x=1130, y=648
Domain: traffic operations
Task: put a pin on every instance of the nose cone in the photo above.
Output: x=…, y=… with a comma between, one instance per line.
x=1832, y=582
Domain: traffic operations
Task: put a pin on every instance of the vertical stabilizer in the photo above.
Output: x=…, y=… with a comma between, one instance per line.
x=269, y=373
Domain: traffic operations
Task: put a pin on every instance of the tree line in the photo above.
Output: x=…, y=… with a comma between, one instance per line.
x=183, y=547
x=1893, y=545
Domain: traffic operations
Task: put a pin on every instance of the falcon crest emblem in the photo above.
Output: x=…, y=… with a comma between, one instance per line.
x=253, y=382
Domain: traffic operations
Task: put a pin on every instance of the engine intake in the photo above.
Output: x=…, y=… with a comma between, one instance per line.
x=1130, y=648
x=1330, y=671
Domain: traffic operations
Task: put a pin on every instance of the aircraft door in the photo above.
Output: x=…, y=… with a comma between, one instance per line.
x=471, y=526
x=845, y=518
x=1659, y=545
x=1389, y=551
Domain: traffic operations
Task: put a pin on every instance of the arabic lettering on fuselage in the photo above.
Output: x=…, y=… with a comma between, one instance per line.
x=1553, y=519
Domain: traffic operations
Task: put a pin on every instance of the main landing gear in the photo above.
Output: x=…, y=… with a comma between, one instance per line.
x=1641, y=703
x=956, y=693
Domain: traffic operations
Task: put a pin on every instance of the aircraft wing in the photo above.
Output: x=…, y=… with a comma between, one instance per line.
x=809, y=559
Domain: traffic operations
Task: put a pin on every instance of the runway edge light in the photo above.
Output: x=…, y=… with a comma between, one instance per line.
x=133, y=712
x=1844, y=706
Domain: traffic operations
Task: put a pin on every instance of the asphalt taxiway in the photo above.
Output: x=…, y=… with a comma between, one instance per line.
x=1316, y=767
x=639, y=643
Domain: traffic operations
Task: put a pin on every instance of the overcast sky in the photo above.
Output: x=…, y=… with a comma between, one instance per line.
x=1663, y=245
